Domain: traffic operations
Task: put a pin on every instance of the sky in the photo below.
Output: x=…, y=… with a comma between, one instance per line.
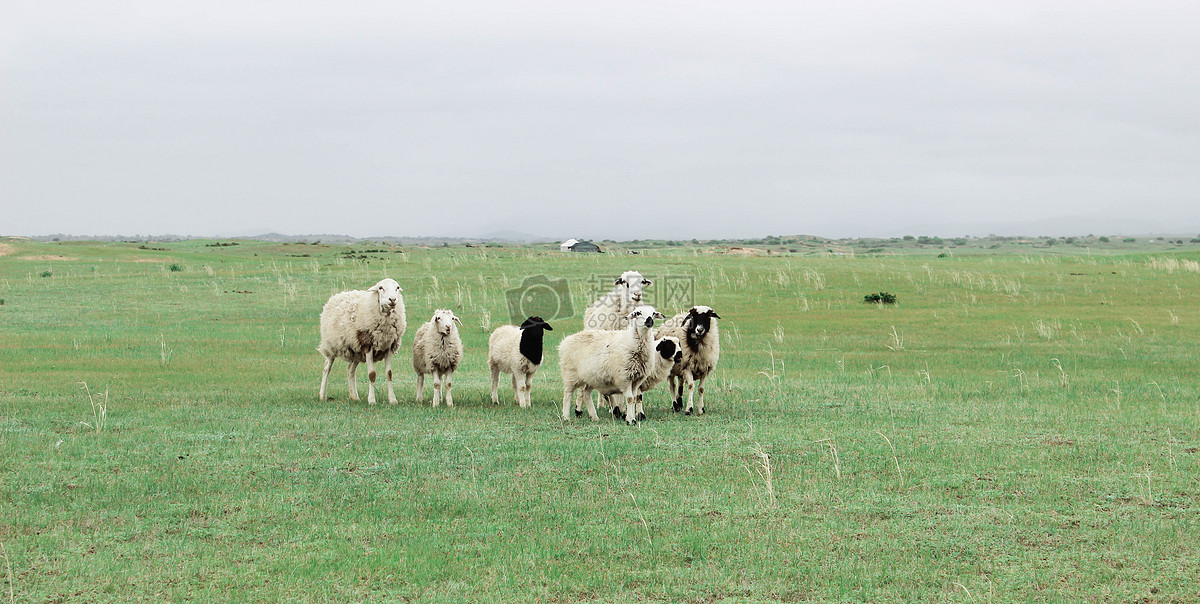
x=607, y=120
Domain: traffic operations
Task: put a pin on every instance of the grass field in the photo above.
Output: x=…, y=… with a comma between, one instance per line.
x=1021, y=426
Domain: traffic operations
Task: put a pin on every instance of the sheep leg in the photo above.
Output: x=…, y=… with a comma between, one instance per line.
x=517, y=391
x=387, y=368
x=614, y=404
x=420, y=387
x=566, y=409
x=676, y=394
x=700, y=395
x=370, y=378
x=579, y=402
x=324, y=378
x=437, y=388
x=521, y=389
x=691, y=388
x=449, y=381
x=495, y=385
x=350, y=373
x=641, y=413
x=630, y=406
x=529, y=390
x=591, y=409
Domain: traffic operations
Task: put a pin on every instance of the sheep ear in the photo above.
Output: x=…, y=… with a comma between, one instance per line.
x=619, y=281
x=456, y=319
x=713, y=314
x=660, y=316
x=374, y=288
x=646, y=282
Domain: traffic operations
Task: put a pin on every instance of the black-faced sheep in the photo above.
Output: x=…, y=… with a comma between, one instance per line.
x=518, y=351
x=360, y=327
x=697, y=331
x=437, y=351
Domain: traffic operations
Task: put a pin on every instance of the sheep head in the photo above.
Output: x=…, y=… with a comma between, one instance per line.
x=643, y=317
x=389, y=294
x=536, y=322
x=699, y=320
x=630, y=285
x=443, y=321
x=668, y=348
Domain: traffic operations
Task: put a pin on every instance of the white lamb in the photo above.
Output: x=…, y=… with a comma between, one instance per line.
x=610, y=311
x=617, y=361
x=518, y=351
x=666, y=355
x=360, y=327
x=697, y=330
x=437, y=351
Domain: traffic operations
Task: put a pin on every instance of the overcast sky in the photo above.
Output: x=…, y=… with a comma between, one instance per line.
x=600, y=119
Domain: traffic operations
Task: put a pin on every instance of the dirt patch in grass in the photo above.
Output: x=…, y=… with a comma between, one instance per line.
x=6, y=249
x=49, y=257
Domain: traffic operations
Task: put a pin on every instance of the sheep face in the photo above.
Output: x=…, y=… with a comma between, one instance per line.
x=536, y=322
x=632, y=282
x=389, y=294
x=443, y=321
x=644, y=316
x=699, y=320
x=668, y=348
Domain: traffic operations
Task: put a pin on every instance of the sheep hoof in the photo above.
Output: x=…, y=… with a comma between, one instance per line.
x=688, y=412
x=677, y=406
x=579, y=413
x=616, y=411
x=641, y=416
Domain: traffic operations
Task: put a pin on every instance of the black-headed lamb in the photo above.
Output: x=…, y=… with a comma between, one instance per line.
x=517, y=351
x=697, y=331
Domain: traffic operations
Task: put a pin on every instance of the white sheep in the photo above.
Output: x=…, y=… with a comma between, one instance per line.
x=610, y=311
x=666, y=355
x=437, y=351
x=518, y=351
x=697, y=330
x=360, y=327
x=617, y=361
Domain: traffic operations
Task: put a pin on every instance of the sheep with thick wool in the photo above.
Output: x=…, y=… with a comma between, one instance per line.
x=617, y=361
x=437, y=351
x=697, y=331
x=517, y=351
x=667, y=353
x=362, y=326
x=609, y=312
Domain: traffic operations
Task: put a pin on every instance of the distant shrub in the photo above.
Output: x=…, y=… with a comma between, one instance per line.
x=943, y=255
x=909, y=237
x=175, y=268
x=1103, y=239
x=1130, y=240
x=880, y=298
x=47, y=274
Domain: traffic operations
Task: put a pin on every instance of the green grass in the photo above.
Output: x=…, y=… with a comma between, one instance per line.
x=1018, y=427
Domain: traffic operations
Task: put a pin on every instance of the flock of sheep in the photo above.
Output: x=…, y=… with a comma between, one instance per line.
x=618, y=355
